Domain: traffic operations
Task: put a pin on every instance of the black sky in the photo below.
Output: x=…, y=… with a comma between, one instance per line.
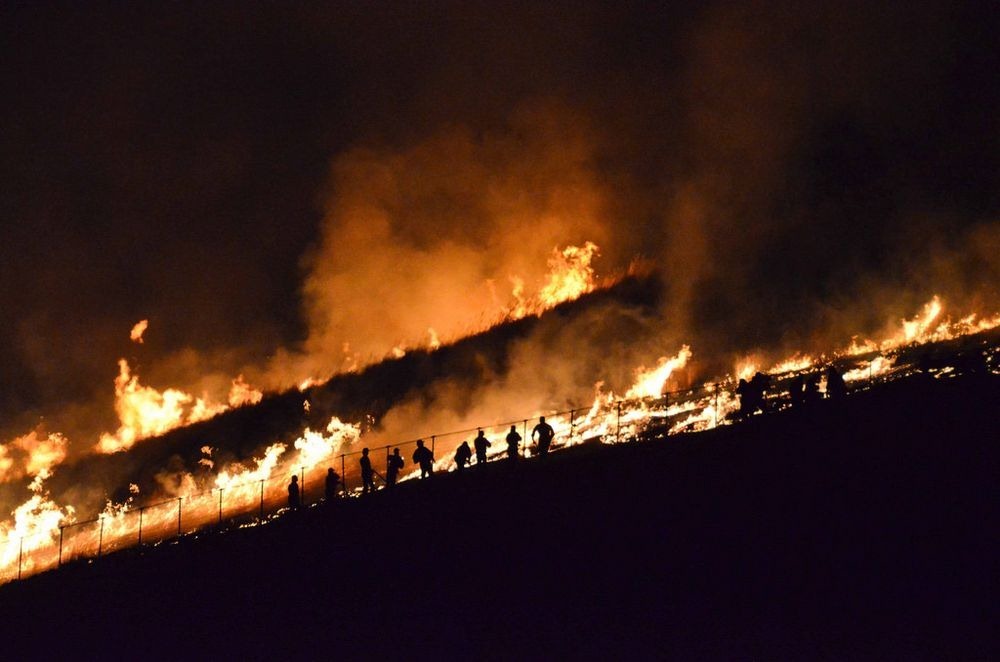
x=174, y=161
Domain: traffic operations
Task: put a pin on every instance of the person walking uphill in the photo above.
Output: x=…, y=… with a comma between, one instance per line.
x=425, y=458
x=481, y=443
x=392, y=470
x=545, y=434
x=367, y=473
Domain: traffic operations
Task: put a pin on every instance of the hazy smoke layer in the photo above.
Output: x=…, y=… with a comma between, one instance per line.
x=265, y=190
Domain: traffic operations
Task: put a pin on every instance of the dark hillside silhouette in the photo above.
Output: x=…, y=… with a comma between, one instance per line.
x=857, y=529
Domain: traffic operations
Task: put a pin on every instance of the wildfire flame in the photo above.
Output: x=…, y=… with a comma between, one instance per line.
x=650, y=383
x=137, y=331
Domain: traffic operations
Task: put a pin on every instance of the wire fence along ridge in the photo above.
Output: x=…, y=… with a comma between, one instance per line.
x=254, y=502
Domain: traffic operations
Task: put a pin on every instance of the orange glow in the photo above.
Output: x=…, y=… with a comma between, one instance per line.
x=146, y=412
x=570, y=274
x=138, y=330
x=242, y=393
x=650, y=383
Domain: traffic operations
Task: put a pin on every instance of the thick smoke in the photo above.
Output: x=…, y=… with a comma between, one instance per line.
x=310, y=189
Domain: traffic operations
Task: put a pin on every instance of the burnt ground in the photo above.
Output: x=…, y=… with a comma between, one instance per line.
x=863, y=529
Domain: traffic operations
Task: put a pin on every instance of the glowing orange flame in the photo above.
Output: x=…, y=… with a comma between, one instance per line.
x=138, y=330
x=650, y=383
x=146, y=412
x=242, y=393
x=570, y=274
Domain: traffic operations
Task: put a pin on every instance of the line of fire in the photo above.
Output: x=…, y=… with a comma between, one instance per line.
x=206, y=465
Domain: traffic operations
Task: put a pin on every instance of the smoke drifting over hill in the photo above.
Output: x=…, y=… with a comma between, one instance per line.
x=265, y=185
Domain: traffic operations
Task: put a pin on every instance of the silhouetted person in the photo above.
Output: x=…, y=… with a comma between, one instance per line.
x=293, y=494
x=745, y=392
x=811, y=392
x=332, y=478
x=425, y=458
x=463, y=455
x=394, y=465
x=758, y=386
x=513, y=443
x=796, y=389
x=367, y=473
x=481, y=443
x=835, y=386
x=545, y=434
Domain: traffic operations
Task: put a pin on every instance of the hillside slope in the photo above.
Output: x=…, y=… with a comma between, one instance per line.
x=860, y=529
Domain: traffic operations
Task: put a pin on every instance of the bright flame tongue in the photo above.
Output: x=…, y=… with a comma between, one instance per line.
x=146, y=412
x=650, y=383
x=570, y=276
x=138, y=330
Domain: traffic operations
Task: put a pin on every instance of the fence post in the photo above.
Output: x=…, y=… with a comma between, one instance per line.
x=179, y=499
x=61, y=529
x=572, y=423
x=343, y=473
x=20, y=553
x=302, y=486
x=716, y=405
x=140, y=524
x=261, y=499
x=524, y=436
x=100, y=539
x=220, y=504
x=618, y=426
x=432, y=444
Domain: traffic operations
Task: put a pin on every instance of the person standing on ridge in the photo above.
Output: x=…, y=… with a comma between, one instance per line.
x=545, y=434
x=513, y=443
x=425, y=458
x=481, y=443
x=835, y=386
x=293, y=493
x=395, y=463
x=367, y=473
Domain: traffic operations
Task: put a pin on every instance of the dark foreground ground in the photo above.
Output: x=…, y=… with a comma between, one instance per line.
x=860, y=530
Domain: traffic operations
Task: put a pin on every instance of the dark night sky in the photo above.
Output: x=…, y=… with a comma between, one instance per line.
x=177, y=162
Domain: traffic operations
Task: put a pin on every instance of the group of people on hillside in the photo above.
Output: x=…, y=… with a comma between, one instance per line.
x=802, y=389
x=424, y=458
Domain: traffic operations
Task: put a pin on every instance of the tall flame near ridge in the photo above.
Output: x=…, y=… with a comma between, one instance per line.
x=145, y=412
x=650, y=383
x=569, y=277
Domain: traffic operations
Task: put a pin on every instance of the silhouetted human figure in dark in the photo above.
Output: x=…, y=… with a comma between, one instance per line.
x=835, y=386
x=293, y=494
x=425, y=458
x=332, y=478
x=513, y=443
x=367, y=473
x=463, y=455
x=745, y=392
x=545, y=434
x=796, y=389
x=481, y=443
x=811, y=392
x=758, y=386
x=395, y=463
